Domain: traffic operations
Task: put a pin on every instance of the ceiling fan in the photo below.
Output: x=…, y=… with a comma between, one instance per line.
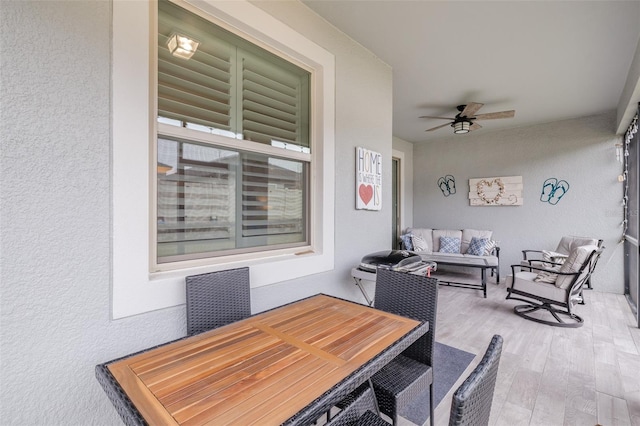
x=464, y=121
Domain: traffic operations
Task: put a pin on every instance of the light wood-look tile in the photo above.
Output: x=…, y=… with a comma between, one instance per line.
x=548, y=375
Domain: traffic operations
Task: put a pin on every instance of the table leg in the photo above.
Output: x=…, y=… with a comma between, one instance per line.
x=363, y=291
x=484, y=281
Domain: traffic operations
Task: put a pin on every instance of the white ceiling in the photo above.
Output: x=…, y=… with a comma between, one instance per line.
x=548, y=60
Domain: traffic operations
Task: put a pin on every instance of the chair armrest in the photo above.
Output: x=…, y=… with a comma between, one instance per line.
x=546, y=262
x=526, y=252
x=536, y=268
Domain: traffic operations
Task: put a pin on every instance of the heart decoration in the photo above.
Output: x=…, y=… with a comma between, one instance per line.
x=480, y=186
x=365, y=192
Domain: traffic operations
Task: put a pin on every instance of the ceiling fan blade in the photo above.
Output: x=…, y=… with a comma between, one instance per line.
x=470, y=109
x=440, y=118
x=492, y=115
x=438, y=127
x=475, y=126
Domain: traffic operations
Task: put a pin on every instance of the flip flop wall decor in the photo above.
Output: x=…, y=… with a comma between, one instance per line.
x=553, y=190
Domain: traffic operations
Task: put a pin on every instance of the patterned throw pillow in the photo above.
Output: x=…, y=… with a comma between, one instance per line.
x=419, y=243
x=547, y=276
x=449, y=245
x=490, y=246
x=552, y=256
x=477, y=246
x=406, y=241
x=551, y=260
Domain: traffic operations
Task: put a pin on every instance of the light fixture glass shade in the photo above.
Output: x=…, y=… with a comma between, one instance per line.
x=460, y=127
x=182, y=46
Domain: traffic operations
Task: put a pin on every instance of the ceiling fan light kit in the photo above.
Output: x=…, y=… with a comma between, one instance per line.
x=464, y=122
x=461, y=127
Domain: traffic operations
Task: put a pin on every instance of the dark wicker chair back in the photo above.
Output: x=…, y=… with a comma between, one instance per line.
x=471, y=403
x=216, y=299
x=413, y=296
x=361, y=401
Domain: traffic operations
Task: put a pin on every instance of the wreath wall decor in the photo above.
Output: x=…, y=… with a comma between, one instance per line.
x=496, y=191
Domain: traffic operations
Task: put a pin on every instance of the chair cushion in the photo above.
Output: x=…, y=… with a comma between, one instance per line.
x=568, y=243
x=573, y=264
x=449, y=245
x=437, y=233
x=477, y=246
x=467, y=236
x=525, y=281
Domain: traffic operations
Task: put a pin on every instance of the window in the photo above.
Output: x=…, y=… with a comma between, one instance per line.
x=216, y=196
x=141, y=284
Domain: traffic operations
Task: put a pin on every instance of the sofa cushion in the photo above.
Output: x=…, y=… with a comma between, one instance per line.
x=468, y=234
x=437, y=233
x=449, y=245
x=477, y=246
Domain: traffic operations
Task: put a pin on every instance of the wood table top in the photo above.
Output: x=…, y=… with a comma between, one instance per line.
x=261, y=370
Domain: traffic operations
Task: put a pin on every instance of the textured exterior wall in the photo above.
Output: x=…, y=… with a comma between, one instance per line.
x=55, y=204
x=580, y=151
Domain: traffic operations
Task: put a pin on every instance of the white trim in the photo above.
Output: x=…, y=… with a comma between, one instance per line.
x=400, y=155
x=135, y=289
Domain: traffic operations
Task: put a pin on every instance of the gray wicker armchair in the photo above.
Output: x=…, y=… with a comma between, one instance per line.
x=406, y=376
x=471, y=404
x=216, y=299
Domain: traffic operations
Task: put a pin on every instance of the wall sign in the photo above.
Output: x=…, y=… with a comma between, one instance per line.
x=496, y=191
x=368, y=179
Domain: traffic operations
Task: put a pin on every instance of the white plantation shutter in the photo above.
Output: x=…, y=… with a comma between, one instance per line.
x=274, y=103
x=212, y=200
x=230, y=84
x=272, y=197
x=197, y=90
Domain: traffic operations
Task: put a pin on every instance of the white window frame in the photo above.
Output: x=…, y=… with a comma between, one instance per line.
x=138, y=285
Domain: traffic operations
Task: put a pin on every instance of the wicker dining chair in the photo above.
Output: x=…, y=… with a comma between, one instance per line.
x=362, y=400
x=217, y=298
x=398, y=383
x=471, y=404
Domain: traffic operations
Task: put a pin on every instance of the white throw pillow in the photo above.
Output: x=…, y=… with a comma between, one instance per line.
x=419, y=243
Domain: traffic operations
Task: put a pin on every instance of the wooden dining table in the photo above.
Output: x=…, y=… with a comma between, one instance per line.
x=284, y=366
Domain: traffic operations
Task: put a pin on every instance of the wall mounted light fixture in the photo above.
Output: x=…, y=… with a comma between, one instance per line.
x=182, y=46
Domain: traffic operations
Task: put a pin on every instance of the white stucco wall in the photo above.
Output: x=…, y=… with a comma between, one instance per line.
x=56, y=209
x=580, y=151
